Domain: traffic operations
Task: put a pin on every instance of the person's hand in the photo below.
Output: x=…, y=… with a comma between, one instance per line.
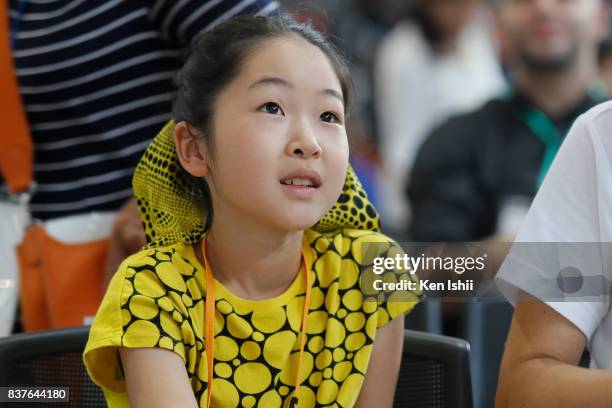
x=127, y=237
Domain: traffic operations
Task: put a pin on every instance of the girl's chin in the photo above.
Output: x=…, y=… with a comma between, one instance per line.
x=295, y=216
x=300, y=226
x=299, y=222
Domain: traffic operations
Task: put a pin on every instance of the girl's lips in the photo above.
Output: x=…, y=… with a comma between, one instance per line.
x=299, y=191
x=304, y=173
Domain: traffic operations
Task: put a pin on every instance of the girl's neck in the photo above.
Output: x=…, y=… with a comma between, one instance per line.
x=252, y=260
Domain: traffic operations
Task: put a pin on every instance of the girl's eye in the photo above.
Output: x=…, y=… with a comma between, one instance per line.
x=271, y=108
x=330, y=117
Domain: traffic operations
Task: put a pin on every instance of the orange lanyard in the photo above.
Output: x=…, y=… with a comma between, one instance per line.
x=210, y=322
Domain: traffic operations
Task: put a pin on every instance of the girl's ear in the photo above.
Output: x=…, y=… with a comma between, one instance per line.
x=191, y=152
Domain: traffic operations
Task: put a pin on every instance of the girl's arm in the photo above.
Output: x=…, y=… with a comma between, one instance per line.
x=156, y=378
x=380, y=381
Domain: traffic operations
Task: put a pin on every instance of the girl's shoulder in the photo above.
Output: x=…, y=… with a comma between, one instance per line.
x=167, y=268
x=349, y=243
x=149, y=303
x=342, y=262
x=179, y=255
x=349, y=233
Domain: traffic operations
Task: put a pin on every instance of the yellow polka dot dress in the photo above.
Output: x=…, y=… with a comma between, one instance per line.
x=157, y=297
x=157, y=300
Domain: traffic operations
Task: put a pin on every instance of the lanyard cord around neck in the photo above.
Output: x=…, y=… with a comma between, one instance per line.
x=210, y=323
x=548, y=133
x=544, y=129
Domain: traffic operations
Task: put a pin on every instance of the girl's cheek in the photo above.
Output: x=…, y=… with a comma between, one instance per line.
x=336, y=143
x=342, y=153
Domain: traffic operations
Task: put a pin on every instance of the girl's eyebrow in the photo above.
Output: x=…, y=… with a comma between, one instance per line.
x=287, y=84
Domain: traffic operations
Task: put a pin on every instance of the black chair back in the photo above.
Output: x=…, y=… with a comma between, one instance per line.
x=435, y=372
x=49, y=359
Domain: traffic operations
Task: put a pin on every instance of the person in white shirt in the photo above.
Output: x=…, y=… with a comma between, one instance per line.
x=438, y=62
x=558, y=275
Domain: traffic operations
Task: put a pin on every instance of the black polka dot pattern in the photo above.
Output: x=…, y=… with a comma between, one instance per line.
x=162, y=294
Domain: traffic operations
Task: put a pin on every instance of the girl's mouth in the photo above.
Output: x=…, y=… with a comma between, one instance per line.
x=302, y=177
x=299, y=190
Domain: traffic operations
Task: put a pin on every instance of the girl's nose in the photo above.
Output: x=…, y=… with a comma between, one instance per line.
x=305, y=151
x=303, y=144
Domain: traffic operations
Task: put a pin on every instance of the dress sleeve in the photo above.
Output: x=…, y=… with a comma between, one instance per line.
x=396, y=303
x=387, y=303
x=147, y=304
x=181, y=21
x=558, y=255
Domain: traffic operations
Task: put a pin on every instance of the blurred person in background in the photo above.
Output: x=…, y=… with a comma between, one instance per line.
x=604, y=61
x=95, y=79
x=558, y=276
x=475, y=175
x=360, y=29
x=438, y=61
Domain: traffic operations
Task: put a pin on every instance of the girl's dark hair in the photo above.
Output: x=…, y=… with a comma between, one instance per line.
x=216, y=58
x=218, y=55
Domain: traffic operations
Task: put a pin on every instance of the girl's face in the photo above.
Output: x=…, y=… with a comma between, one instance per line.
x=280, y=144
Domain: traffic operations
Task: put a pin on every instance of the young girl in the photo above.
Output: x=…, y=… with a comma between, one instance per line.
x=248, y=293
